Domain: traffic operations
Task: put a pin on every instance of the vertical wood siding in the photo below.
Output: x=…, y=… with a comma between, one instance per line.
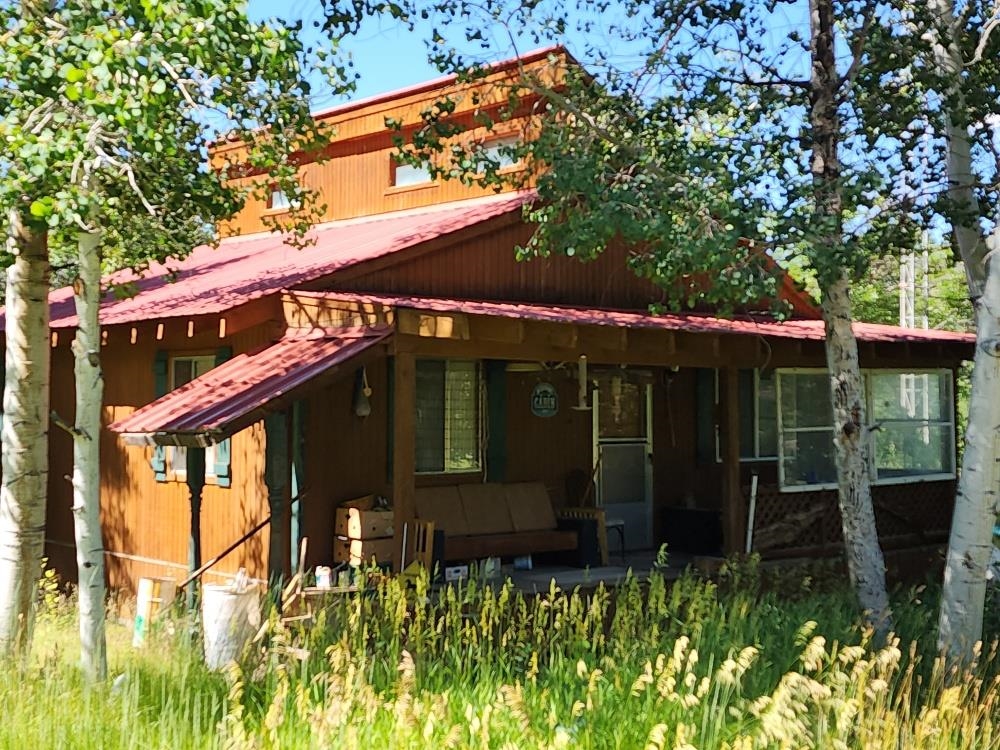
x=142, y=517
x=485, y=268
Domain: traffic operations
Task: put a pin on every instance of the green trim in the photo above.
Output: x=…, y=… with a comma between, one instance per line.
x=161, y=365
x=496, y=419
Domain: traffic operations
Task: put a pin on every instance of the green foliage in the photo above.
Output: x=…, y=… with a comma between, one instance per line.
x=109, y=109
x=663, y=664
x=692, y=126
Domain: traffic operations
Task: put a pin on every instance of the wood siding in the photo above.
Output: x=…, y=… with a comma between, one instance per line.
x=142, y=517
x=356, y=177
x=485, y=268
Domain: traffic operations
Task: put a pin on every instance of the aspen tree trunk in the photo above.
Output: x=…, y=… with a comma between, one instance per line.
x=86, y=459
x=865, y=563
x=23, y=490
x=970, y=546
x=977, y=501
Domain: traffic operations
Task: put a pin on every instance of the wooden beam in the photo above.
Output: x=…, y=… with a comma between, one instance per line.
x=733, y=515
x=404, y=449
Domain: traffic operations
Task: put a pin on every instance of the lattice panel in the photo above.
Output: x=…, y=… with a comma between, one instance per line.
x=791, y=520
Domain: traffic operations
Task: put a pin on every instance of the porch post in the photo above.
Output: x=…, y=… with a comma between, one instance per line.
x=195, y=466
x=733, y=523
x=276, y=471
x=404, y=448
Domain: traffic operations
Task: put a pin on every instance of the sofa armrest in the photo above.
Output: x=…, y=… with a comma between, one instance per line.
x=595, y=516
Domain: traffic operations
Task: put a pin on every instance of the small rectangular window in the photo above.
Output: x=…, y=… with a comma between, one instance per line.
x=182, y=370
x=500, y=153
x=278, y=201
x=447, y=420
x=404, y=175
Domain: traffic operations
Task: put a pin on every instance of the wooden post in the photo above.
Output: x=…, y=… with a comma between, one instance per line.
x=733, y=512
x=404, y=448
x=276, y=472
x=195, y=466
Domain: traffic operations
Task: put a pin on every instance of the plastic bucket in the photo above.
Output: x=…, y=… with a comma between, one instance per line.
x=229, y=619
x=153, y=596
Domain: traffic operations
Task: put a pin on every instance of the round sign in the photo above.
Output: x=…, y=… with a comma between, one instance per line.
x=544, y=400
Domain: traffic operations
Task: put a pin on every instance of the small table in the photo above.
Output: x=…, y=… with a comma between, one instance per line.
x=617, y=525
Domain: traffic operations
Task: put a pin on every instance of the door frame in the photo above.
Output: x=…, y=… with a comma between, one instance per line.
x=650, y=466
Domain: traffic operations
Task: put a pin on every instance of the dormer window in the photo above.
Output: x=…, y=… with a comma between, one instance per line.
x=403, y=175
x=499, y=152
x=278, y=200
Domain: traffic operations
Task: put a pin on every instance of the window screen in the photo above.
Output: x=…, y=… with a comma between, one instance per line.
x=447, y=420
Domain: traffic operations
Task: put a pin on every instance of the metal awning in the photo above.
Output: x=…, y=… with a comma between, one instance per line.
x=246, y=388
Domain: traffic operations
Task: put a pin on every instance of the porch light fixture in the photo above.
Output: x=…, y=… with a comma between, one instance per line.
x=362, y=394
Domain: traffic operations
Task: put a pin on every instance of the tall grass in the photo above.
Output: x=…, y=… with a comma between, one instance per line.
x=689, y=664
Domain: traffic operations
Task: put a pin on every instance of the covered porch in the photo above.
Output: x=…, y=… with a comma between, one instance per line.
x=458, y=412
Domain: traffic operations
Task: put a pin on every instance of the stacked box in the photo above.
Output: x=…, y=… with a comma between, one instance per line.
x=363, y=535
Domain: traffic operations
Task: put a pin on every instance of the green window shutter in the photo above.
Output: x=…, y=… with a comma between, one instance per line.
x=496, y=410
x=160, y=365
x=223, y=451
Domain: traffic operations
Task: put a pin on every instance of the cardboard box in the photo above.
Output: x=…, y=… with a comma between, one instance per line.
x=355, y=523
x=456, y=573
x=362, y=551
x=361, y=503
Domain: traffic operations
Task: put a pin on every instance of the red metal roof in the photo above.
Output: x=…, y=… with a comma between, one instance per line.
x=241, y=269
x=811, y=330
x=244, y=389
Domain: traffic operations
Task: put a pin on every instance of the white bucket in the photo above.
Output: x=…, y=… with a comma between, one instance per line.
x=154, y=595
x=229, y=619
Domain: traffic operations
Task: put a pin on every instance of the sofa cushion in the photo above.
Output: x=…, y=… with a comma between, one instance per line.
x=485, y=507
x=530, y=507
x=443, y=506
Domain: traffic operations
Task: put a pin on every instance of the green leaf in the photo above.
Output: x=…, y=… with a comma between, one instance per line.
x=41, y=208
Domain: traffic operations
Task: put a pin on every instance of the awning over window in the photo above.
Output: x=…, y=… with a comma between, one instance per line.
x=249, y=386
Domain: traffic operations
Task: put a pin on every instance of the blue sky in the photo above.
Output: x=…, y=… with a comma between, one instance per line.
x=386, y=55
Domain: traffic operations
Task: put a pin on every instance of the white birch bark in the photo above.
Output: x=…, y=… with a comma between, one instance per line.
x=25, y=462
x=960, y=622
x=865, y=562
x=86, y=459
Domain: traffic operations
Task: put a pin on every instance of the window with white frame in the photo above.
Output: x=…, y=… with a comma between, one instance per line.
x=758, y=415
x=805, y=430
x=915, y=433
x=182, y=370
x=448, y=416
x=758, y=404
x=404, y=175
x=499, y=152
x=912, y=415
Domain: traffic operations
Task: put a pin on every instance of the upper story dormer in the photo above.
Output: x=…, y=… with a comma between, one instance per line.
x=357, y=174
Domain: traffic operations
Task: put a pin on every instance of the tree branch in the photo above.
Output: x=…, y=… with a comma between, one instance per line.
x=984, y=35
x=858, y=46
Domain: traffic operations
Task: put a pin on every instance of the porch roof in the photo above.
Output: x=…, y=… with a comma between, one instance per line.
x=244, y=389
x=753, y=325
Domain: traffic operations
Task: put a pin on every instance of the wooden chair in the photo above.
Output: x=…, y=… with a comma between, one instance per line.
x=422, y=545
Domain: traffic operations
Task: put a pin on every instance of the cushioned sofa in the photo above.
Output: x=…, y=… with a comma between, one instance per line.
x=497, y=520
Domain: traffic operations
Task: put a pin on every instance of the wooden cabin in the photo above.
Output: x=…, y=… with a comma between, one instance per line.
x=407, y=355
